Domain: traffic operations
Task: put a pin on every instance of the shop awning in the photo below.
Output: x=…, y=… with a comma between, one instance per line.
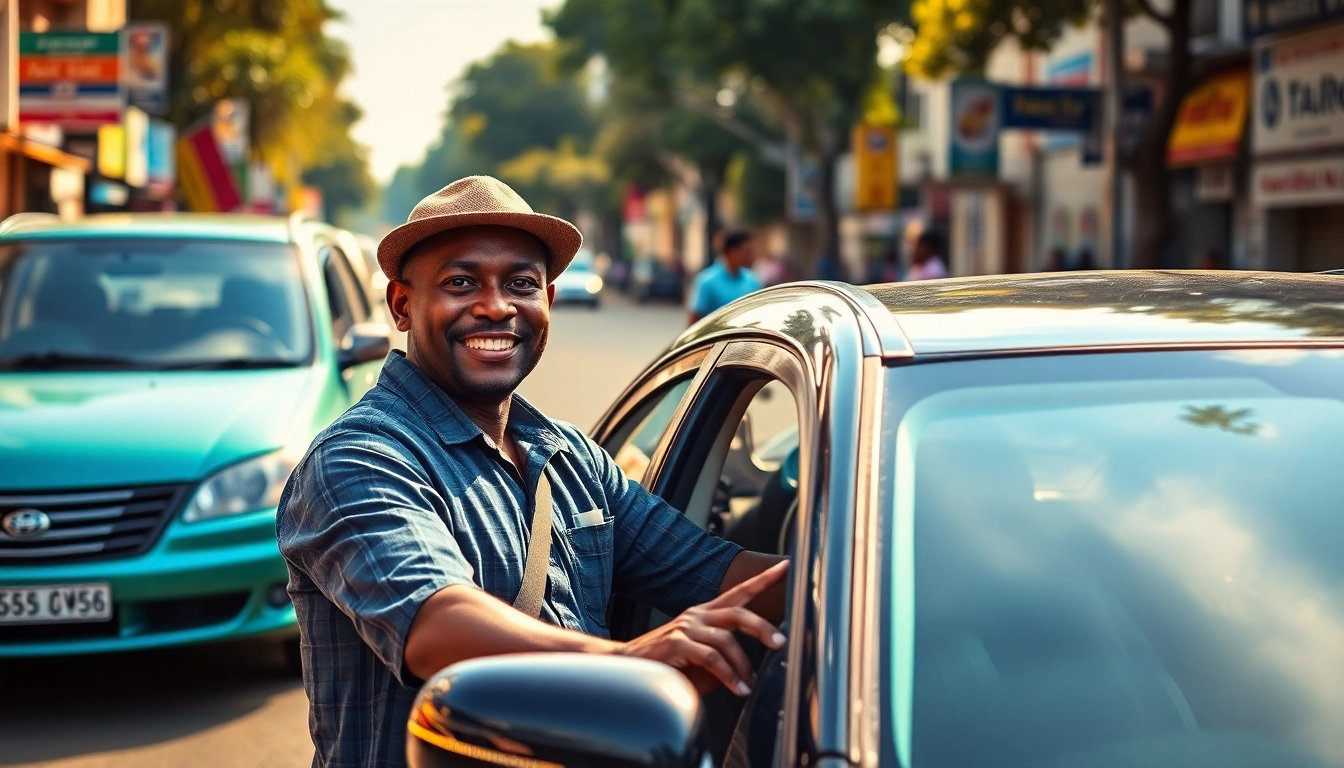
x=43, y=153
x=1212, y=118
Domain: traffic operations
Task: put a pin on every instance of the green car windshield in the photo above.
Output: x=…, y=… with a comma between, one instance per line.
x=151, y=304
x=1118, y=560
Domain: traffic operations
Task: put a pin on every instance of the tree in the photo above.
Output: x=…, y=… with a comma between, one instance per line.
x=806, y=63
x=273, y=55
x=957, y=36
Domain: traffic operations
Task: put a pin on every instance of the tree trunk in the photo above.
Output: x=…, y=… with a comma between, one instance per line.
x=711, y=181
x=1155, y=222
x=828, y=216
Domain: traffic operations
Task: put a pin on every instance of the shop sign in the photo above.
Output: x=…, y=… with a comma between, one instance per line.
x=976, y=119
x=1299, y=93
x=1266, y=17
x=1058, y=109
x=160, y=158
x=147, y=65
x=875, y=187
x=1209, y=126
x=70, y=79
x=1292, y=183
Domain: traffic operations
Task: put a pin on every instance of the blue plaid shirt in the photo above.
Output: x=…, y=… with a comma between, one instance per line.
x=404, y=495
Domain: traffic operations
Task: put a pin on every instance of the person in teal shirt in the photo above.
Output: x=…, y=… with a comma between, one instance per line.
x=727, y=279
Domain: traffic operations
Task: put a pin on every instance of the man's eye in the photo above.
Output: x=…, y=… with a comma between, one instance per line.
x=457, y=282
x=525, y=284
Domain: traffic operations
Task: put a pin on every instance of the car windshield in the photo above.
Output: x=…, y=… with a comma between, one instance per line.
x=154, y=304
x=1115, y=560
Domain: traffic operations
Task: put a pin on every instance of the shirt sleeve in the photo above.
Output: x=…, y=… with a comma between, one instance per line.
x=660, y=557
x=366, y=527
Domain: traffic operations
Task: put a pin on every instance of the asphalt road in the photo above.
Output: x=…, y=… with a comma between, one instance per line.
x=234, y=705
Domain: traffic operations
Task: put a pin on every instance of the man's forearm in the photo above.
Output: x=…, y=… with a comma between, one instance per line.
x=459, y=623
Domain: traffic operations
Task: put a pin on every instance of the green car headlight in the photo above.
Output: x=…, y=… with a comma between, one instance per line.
x=244, y=487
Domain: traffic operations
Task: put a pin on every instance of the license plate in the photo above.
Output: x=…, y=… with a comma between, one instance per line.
x=63, y=602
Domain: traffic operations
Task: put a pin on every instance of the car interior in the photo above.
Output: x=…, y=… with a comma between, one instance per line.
x=740, y=482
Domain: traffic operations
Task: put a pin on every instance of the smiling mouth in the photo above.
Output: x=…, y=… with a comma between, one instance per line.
x=490, y=344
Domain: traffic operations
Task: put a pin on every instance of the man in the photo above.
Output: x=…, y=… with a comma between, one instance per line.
x=407, y=527
x=727, y=279
x=925, y=263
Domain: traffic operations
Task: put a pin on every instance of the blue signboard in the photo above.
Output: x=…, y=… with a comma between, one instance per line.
x=1267, y=17
x=1057, y=109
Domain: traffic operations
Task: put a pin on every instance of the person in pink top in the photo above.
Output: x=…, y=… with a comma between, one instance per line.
x=925, y=263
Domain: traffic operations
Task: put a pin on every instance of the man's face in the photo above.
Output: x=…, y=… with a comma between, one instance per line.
x=744, y=255
x=476, y=308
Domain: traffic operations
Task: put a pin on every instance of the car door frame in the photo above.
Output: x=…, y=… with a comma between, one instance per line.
x=356, y=379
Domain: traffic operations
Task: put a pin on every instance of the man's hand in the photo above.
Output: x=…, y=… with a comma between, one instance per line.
x=700, y=641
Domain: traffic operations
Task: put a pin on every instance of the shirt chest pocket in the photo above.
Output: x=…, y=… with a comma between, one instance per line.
x=592, y=546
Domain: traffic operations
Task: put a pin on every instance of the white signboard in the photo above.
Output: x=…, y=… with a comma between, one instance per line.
x=1299, y=93
x=1293, y=183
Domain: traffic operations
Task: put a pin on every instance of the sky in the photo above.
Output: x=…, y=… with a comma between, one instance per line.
x=406, y=52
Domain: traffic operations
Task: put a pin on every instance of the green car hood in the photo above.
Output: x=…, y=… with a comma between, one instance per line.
x=97, y=429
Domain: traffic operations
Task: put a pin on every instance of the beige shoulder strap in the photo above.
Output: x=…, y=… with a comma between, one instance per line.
x=538, y=552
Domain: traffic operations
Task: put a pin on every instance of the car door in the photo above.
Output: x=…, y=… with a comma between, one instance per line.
x=350, y=306
x=735, y=455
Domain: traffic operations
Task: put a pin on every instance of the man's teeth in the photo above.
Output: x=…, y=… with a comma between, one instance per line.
x=491, y=345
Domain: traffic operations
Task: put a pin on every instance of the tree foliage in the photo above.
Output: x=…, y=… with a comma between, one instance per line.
x=273, y=55
x=958, y=36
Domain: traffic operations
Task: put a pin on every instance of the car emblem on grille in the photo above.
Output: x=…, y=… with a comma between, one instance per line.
x=23, y=523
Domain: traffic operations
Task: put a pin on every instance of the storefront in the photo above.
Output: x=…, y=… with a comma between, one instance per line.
x=1208, y=179
x=37, y=177
x=1297, y=182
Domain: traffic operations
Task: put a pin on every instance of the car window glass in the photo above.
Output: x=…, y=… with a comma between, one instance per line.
x=152, y=303
x=354, y=287
x=758, y=482
x=633, y=455
x=342, y=314
x=1153, y=562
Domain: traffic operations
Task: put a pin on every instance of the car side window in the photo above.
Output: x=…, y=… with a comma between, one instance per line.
x=343, y=293
x=753, y=501
x=637, y=439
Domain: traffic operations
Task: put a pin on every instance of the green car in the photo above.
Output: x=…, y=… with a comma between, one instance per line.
x=160, y=376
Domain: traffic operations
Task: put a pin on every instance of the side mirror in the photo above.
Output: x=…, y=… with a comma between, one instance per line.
x=364, y=343
x=556, y=709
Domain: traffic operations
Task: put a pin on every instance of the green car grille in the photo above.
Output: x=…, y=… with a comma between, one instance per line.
x=75, y=526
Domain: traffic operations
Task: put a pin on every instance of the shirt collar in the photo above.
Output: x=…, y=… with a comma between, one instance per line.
x=402, y=378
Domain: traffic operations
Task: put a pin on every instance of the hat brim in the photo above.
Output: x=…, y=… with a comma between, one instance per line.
x=562, y=239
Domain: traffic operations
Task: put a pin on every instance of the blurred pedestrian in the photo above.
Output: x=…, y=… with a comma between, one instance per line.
x=1055, y=261
x=1086, y=261
x=886, y=269
x=418, y=528
x=925, y=262
x=728, y=279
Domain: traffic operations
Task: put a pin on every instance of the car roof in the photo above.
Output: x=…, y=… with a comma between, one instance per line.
x=242, y=227
x=1056, y=311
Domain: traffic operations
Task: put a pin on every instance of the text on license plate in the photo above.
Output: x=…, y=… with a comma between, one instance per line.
x=61, y=602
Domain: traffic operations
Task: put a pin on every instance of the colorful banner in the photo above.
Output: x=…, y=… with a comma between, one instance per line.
x=875, y=177
x=976, y=119
x=70, y=79
x=1211, y=121
x=147, y=65
x=207, y=182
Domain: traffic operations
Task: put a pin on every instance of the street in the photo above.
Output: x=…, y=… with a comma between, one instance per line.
x=234, y=705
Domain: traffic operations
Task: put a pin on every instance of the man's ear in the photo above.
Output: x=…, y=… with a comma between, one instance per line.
x=550, y=294
x=399, y=300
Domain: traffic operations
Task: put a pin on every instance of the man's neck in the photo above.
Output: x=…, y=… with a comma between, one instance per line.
x=492, y=418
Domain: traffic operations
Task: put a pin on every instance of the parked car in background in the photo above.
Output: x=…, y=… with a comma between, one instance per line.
x=1087, y=519
x=652, y=278
x=579, y=283
x=160, y=376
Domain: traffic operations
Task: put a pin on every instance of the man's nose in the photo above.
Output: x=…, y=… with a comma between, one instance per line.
x=493, y=303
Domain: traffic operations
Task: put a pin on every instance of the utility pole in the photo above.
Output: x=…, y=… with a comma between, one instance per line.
x=1115, y=107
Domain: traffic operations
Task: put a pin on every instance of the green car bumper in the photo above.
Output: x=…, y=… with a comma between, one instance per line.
x=212, y=580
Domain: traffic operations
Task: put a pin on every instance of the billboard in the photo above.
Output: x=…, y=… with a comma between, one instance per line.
x=976, y=119
x=70, y=79
x=1299, y=93
x=147, y=66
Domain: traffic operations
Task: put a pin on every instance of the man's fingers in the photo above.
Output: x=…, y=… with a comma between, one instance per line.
x=723, y=641
x=744, y=621
x=751, y=588
x=713, y=662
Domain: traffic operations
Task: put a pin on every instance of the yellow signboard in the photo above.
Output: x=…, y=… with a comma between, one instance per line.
x=1209, y=126
x=112, y=151
x=875, y=175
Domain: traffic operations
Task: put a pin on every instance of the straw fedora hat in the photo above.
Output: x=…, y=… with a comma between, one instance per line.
x=474, y=201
